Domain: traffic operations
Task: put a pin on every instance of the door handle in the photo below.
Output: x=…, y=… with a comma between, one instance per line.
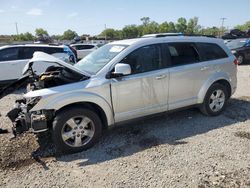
x=204, y=68
x=160, y=77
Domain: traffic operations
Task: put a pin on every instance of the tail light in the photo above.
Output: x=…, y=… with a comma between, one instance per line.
x=236, y=62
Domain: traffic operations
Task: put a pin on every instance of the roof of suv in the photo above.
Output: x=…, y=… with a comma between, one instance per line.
x=33, y=45
x=169, y=39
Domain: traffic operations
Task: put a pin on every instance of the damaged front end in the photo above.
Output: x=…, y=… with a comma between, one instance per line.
x=25, y=119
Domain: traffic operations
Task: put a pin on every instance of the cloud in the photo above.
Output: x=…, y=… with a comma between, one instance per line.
x=1, y=11
x=72, y=15
x=35, y=12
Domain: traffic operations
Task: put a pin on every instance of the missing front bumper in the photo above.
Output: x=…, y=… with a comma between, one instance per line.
x=34, y=122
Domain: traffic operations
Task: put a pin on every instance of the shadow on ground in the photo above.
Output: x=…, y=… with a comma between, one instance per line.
x=171, y=129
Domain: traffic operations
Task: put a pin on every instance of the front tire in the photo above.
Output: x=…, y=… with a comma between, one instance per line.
x=76, y=129
x=215, y=100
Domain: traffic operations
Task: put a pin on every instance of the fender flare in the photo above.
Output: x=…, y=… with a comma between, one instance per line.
x=212, y=79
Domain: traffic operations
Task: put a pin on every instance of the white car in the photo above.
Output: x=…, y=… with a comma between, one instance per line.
x=84, y=49
x=13, y=58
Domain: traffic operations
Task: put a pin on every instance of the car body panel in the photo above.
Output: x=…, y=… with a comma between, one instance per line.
x=143, y=96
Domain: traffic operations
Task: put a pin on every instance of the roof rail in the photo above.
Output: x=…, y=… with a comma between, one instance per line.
x=158, y=35
x=162, y=35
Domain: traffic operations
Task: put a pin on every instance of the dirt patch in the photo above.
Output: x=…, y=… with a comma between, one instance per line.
x=243, y=134
x=17, y=152
x=239, y=178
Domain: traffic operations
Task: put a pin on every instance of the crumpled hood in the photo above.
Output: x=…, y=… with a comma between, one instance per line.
x=43, y=57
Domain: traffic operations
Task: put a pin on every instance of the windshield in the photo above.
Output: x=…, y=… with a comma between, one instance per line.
x=236, y=43
x=96, y=60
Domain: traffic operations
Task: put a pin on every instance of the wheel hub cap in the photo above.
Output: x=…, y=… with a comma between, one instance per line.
x=217, y=100
x=78, y=131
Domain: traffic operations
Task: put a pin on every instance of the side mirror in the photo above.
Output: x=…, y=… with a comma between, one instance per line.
x=121, y=69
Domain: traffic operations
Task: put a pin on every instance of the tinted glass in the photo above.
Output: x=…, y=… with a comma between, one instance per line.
x=53, y=50
x=182, y=53
x=209, y=51
x=9, y=54
x=27, y=52
x=83, y=47
x=147, y=58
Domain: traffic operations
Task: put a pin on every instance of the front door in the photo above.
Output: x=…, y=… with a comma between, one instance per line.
x=145, y=91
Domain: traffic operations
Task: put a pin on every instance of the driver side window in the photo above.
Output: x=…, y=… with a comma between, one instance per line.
x=144, y=59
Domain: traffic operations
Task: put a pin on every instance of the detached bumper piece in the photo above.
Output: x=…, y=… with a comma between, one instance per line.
x=29, y=122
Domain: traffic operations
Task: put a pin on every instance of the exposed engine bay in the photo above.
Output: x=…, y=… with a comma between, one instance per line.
x=23, y=120
x=53, y=76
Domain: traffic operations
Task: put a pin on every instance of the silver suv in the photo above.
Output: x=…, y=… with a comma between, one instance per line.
x=121, y=81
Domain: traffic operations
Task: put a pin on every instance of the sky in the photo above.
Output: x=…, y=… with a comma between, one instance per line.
x=90, y=16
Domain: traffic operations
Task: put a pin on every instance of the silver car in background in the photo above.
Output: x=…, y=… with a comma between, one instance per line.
x=121, y=81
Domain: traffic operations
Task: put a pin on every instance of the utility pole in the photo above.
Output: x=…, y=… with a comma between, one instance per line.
x=105, y=27
x=16, y=28
x=222, y=26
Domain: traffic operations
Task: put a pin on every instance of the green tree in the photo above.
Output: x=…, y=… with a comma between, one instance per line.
x=243, y=27
x=172, y=28
x=145, y=21
x=23, y=37
x=41, y=31
x=69, y=35
x=112, y=33
x=181, y=25
x=164, y=27
x=130, y=31
x=215, y=31
x=152, y=27
x=192, y=26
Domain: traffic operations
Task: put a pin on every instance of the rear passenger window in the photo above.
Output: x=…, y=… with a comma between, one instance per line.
x=9, y=54
x=210, y=51
x=182, y=53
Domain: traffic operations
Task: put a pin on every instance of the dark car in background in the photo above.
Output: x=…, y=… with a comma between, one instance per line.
x=241, y=49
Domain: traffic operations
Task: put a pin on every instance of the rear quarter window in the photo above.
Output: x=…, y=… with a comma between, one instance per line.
x=210, y=51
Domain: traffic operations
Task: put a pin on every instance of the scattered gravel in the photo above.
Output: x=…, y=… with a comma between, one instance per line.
x=182, y=149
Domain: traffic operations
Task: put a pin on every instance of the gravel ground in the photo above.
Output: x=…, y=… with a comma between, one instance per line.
x=182, y=149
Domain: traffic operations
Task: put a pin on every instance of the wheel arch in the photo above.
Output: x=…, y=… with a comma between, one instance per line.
x=90, y=106
x=223, y=80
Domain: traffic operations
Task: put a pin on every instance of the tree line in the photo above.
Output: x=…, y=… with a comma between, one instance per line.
x=147, y=26
x=182, y=25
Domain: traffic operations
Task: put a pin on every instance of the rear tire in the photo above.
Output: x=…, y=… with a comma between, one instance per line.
x=215, y=100
x=76, y=129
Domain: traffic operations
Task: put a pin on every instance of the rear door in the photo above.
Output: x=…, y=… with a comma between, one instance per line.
x=145, y=91
x=186, y=70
